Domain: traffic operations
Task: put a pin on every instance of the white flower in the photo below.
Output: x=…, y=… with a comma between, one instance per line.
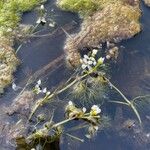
x=92, y=58
x=95, y=107
x=37, y=86
x=96, y=128
x=44, y=90
x=41, y=20
x=94, y=63
x=89, y=67
x=90, y=62
x=52, y=24
x=38, y=90
x=14, y=87
x=83, y=66
x=84, y=109
x=95, y=110
x=38, y=21
x=101, y=60
x=48, y=93
x=42, y=7
x=94, y=52
x=148, y=135
x=39, y=82
x=86, y=56
x=85, y=60
x=108, y=56
x=70, y=103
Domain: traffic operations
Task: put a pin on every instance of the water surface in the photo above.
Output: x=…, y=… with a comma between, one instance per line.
x=132, y=76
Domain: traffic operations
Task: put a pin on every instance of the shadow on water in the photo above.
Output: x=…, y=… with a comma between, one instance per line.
x=132, y=75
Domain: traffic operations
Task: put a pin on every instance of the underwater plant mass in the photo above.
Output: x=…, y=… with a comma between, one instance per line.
x=73, y=74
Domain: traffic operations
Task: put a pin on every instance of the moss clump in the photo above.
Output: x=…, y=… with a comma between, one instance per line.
x=10, y=15
x=115, y=22
x=85, y=7
x=8, y=64
x=147, y=2
x=81, y=6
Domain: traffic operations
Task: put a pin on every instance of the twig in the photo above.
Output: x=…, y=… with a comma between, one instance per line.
x=74, y=137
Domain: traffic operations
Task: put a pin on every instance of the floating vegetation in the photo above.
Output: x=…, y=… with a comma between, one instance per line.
x=116, y=21
x=93, y=68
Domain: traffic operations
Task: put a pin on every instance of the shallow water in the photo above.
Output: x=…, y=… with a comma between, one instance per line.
x=132, y=76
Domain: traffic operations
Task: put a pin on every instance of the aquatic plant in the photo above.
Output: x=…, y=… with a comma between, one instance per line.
x=42, y=15
x=52, y=131
x=83, y=74
x=88, y=82
x=90, y=68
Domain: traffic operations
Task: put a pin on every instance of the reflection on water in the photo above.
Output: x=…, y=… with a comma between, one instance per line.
x=132, y=76
x=134, y=68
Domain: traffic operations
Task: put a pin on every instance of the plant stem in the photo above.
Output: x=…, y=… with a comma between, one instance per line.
x=40, y=132
x=139, y=97
x=119, y=102
x=130, y=104
x=46, y=99
x=62, y=122
x=123, y=96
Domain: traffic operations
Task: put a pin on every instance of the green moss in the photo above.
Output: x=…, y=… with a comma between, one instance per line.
x=83, y=7
x=10, y=16
x=10, y=13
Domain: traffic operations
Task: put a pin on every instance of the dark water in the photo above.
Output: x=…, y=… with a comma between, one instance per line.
x=132, y=76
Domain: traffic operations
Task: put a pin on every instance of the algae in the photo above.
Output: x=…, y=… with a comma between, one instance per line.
x=10, y=16
x=115, y=21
